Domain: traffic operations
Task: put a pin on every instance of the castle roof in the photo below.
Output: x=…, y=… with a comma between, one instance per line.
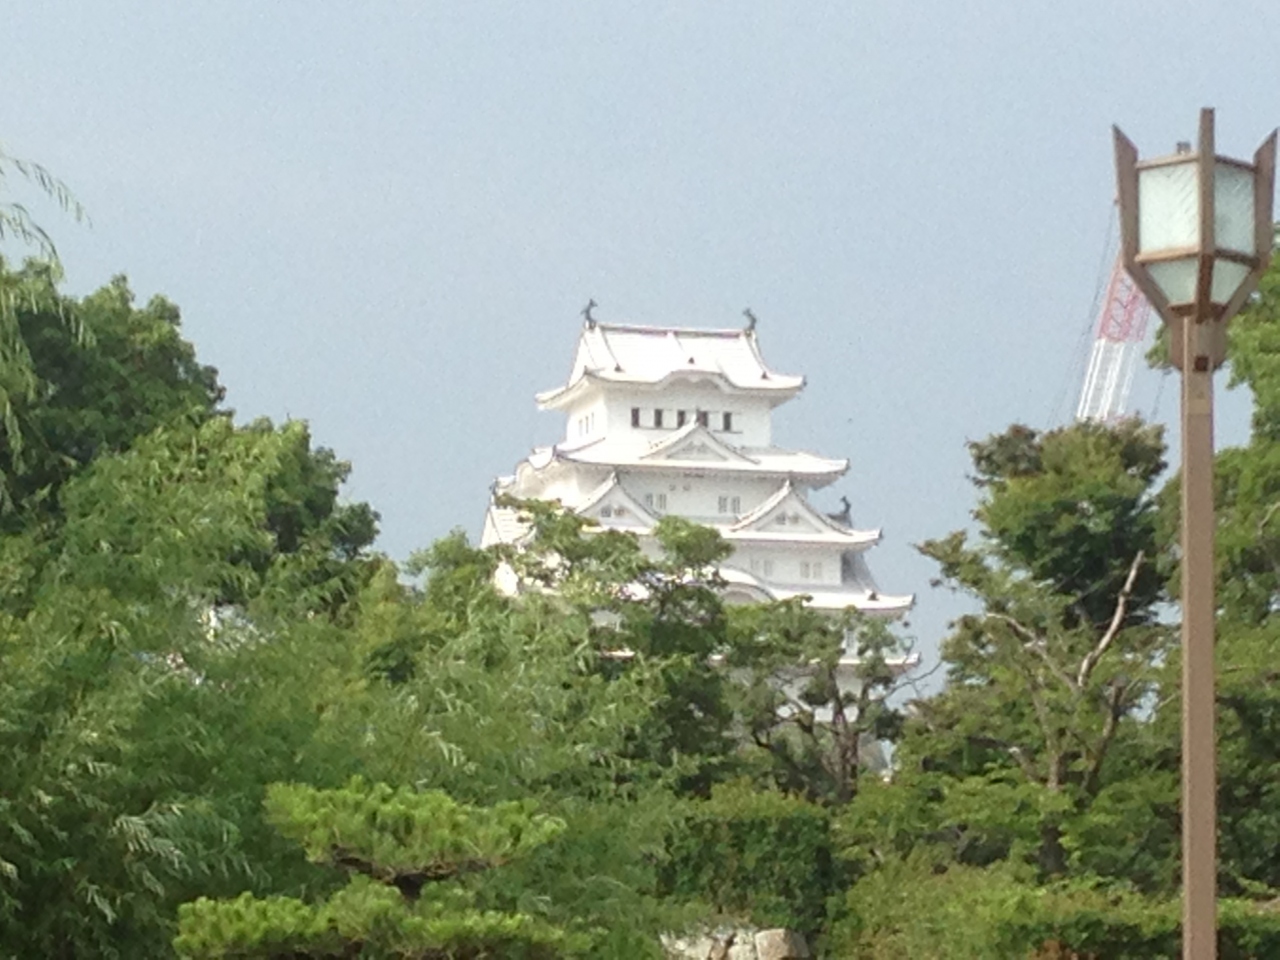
x=624, y=463
x=854, y=592
x=693, y=447
x=650, y=356
x=785, y=519
x=800, y=522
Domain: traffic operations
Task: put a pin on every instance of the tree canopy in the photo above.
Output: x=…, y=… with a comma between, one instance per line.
x=233, y=728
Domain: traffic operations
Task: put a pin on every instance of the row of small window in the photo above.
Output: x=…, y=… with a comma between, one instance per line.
x=586, y=424
x=809, y=569
x=659, y=420
x=658, y=502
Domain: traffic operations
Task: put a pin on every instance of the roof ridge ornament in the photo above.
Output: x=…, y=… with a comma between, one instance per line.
x=845, y=514
x=751, y=320
x=586, y=313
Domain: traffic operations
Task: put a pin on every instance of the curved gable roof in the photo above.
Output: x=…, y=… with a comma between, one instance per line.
x=623, y=353
x=787, y=502
x=695, y=442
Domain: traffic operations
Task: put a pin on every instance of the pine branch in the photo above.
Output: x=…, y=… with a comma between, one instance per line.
x=410, y=883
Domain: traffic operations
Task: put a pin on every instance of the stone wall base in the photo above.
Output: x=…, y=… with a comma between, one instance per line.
x=740, y=943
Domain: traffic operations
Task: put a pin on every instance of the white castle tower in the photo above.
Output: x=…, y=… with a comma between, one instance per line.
x=677, y=421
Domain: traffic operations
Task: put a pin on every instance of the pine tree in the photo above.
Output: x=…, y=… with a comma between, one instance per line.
x=410, y=855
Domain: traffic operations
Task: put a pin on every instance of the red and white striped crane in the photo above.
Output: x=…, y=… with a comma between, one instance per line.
x=1122, y=328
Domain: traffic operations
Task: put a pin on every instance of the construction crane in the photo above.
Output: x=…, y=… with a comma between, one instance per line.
x=1122, y=327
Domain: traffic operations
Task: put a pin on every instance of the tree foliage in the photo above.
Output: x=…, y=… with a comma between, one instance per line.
x=756, y=856
x=218, y=704
x=815, y=693
x=85, y=377
x=1044, y=682
x=30, y=291
x=123, y=638
x=16, y=221
x=399, y=844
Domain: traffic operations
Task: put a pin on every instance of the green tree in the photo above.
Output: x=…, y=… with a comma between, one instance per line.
x=398, y=624
x=755, y=856
x=123, y=372
x=1046, y=681
x=914, y=909
x=658, y=618
x=815, y=693
x=412, y=855
x=779, y=689
x=19, y=381
x=147, y=692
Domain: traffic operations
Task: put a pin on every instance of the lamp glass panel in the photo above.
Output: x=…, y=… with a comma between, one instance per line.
x=1175, y=278
x=1227, y=277
x=1168, y=207
x=1233, y=216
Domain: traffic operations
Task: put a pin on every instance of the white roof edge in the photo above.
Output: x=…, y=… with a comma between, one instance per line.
x=834, y=600
x=753, y=341
x=615, y=483
x=722, y=332
x=788, y=490
x=552, y=398
x=689, y=429
x=770, y=502
x=596, y=495
x=792, y=472
x=890, y=606
x=633, y=359
x=853, y=540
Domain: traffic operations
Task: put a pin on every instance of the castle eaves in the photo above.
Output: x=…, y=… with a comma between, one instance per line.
x=649, y=356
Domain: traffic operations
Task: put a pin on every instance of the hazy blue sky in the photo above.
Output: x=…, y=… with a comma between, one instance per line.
x=384, y=217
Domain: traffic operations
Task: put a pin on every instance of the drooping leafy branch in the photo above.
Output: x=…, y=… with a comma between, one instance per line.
x=16, y=221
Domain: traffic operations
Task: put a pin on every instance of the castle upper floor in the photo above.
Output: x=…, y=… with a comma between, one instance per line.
x=639, y=384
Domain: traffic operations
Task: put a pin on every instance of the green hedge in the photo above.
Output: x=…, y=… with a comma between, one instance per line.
x=1133, y=928
x=756, y=855
x=966, y=913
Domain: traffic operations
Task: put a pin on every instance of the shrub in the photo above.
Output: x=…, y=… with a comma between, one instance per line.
x=759, y=856
x=910, y=909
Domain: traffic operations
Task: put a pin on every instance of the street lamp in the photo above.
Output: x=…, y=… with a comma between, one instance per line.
x=1196, y=233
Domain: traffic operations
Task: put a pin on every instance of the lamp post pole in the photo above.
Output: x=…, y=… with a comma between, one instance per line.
x=1199, y=743
x=1197, y=235
x=1199, y=767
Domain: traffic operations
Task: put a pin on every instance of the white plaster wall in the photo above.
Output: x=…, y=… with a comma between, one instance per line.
x=697, y=497
x=591, y=409
x=787, y=562
x=566, y=484
x=752, y=416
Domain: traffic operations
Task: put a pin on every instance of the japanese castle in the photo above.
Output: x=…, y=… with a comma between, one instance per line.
x=677, y=421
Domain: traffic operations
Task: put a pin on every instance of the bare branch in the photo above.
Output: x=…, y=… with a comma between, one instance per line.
x=1267, y=515
x=1115, y=710
x=1091, y=659
x=1035, y=643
